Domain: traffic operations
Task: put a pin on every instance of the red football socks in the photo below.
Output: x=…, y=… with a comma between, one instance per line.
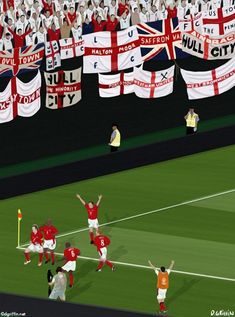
x=162, y=306
x=91, y=236
x=71, y=278
x=52, y=256
x=109, y=263
x=27, y=256
x=40, y=257
x=46, y=255
x=101, y=264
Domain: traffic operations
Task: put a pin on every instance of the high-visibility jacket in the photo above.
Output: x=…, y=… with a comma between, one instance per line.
x=117, y=139
x=191, y=120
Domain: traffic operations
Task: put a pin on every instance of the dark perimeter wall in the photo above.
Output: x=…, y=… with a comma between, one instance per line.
x=89, y=122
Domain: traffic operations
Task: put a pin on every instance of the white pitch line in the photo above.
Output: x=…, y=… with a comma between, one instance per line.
x=147, y=213
x=147, y=267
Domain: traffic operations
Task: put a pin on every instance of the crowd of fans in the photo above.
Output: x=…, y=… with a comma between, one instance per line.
x=28, y=22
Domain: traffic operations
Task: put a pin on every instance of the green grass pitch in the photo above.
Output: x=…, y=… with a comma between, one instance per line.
x=199, y=236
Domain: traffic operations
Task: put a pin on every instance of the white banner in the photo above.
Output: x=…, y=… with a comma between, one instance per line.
x=111, y=51
x=153, y=84
x=28, y=96
x=210, y=83
x=115, y=85
x=202, y=46
x=52, y=53
x=71, y=47
x=63, y=88
x=6, y=104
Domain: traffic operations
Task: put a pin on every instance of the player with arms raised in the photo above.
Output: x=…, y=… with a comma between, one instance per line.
x=70, y=256
x=102, y=242
x=49, y=232
x=92, y=210
x=162, y=284
x=35, y=245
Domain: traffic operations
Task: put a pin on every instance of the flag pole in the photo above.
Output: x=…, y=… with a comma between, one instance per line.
x=19, y=227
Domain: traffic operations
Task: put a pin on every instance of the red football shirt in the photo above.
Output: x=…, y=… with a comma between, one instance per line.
x=49, y=232
x=101, y=241
x=53, y=35
x=36, y=238
x=92, y=212
x=71, y=254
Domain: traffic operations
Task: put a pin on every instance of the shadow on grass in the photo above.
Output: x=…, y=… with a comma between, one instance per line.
x=184, y=288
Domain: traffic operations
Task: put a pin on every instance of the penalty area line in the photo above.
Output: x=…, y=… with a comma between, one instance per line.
x=147, y=267
x=146, y=213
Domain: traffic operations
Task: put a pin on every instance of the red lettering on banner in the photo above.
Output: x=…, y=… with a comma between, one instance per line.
x=151, y=85
x=211, y=82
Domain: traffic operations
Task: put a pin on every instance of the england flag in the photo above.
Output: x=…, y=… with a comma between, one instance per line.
x=111, y=51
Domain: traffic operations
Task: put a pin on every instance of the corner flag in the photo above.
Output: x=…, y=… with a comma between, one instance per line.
x=19, y=215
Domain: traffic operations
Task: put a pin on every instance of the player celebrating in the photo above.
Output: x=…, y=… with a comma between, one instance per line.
x=35, y=245
x=70, y=255
x=49, y=232
x=162, y=284
x=101, y=242
x=92, y=210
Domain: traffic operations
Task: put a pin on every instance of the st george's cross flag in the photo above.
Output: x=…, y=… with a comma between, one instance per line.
x=161, y=40
x=6, y=104
x=111, y=51
x=218, y=22
x=71, y=47
x=52, y=53
x=210, y=83
x=63, y=88
x=153, y=84
x=20, y=98
x=21, y=59
x=115, y=85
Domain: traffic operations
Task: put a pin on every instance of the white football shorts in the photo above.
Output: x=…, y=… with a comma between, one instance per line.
x=103, y=254
x=93, y=223
x=161, y=293
x=49, y=244
x=35, y=248
x=69, y=266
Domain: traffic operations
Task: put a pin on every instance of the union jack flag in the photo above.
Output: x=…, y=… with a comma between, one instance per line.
x=161, y=40
x=20, y=60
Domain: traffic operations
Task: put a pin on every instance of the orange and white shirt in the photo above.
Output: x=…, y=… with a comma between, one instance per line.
x=162, y=279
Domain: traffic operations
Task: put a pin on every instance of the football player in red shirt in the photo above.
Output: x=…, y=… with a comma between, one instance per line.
x=92, y=210
x=49, y=232
x=35, y=245
x=70, y=256
x=101, y=242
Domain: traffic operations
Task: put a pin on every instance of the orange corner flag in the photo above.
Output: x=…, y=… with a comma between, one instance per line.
x=19, y=214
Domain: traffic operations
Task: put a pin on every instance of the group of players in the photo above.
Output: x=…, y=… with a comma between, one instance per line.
x=28, y=22
x=43, y=241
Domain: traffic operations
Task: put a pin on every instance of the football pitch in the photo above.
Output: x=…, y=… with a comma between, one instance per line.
x=182, y=210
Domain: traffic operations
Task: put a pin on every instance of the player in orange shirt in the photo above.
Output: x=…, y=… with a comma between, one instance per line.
x=162, y=284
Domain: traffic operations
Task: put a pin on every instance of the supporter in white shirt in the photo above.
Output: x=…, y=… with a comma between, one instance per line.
x=22, y=23
x=193, y=7
x=7, y=42
x=30, y=39
x=76, y=31
x=182, y=9
x=113, y=8
x=162, y=12
x=1, y=44
x=41, y=35
x=144, y=16
x=153, y=15
x=125, y=21
x=89, y=11
x=102, y=11
x=35, y=22
x=47, y=19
